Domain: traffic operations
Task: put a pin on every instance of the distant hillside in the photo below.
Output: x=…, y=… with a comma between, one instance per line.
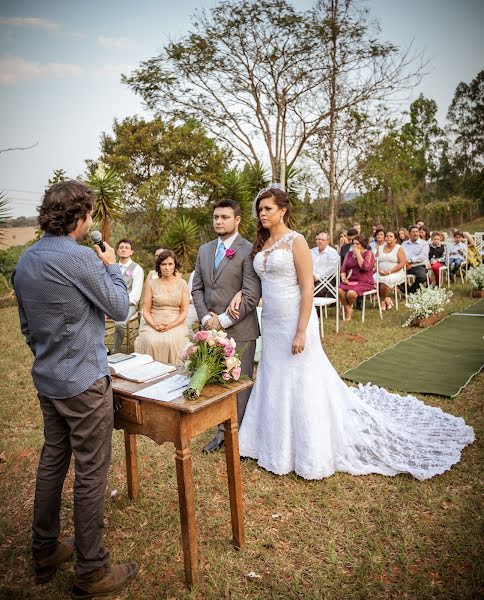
x=16, y=236
x=21, y=222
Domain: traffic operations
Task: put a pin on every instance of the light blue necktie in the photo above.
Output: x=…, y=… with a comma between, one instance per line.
x=219, y=256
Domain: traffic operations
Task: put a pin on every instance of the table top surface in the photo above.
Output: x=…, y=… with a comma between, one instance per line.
x=210, y=394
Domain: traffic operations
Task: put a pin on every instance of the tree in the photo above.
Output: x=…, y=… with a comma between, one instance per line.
x=466, y=128
x=424, y=136
x=107, y=185
x=362, y=72
x=249, y=71
x=184, y=239
x=58, y=175
x=163, y=164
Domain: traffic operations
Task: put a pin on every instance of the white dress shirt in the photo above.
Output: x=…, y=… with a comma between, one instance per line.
x=325, y=263
x=417, y=252
x=138, y=277
x=225, y=320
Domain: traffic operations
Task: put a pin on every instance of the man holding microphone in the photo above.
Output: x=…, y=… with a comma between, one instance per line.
x=64, y=292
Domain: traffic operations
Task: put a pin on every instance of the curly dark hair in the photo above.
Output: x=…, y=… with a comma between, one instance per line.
x=163, y=256
x=63, y=204
x=282, y=201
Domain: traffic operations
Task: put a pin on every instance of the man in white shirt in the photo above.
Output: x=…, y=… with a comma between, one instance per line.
x=325, y=260
x=133, y=277
x=417, y=253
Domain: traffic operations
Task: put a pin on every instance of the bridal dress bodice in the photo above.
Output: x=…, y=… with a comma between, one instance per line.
x=302, y=417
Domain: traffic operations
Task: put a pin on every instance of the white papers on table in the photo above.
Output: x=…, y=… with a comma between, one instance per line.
x=166, y=390
x=140, y=368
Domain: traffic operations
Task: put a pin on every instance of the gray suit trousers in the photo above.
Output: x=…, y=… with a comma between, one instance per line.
x=81, y=425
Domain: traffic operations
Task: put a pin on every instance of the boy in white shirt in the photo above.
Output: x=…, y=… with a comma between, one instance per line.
x=457, y=253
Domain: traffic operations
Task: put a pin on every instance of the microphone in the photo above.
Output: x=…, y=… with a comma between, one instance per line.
x=97, y=239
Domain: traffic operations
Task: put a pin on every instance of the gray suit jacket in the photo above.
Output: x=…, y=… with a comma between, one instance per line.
x=214, y=291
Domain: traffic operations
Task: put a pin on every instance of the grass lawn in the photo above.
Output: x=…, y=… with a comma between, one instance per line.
x=342, y=538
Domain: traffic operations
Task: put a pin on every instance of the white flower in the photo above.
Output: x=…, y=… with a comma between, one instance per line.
x=475, y=276
x=427, y=301
x=232, y=343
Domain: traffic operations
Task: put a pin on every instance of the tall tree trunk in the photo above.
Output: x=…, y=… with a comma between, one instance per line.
x=332, y=118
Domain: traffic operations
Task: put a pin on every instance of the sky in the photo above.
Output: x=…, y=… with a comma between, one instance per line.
x=61, y=63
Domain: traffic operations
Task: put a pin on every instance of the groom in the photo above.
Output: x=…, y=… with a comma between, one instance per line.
x=223, y=267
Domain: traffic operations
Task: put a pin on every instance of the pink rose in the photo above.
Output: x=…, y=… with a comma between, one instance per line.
x=201, y=336
x=226, y=376
x=191, y=350
x=229, y=253
x=236, y=373
x=228, y=351
x=222, y=342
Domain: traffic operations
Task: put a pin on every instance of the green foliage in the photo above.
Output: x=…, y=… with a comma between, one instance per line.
x=184, y=239
x=107, y=185
x=5, y=287
x=58, y=176
x=4, y=213
x=8, y=260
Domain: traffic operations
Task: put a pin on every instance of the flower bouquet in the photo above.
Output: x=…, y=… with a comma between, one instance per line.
x=210, y=358
x=426, y=302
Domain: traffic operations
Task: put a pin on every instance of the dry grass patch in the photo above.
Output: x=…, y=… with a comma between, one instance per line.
x=342, y=538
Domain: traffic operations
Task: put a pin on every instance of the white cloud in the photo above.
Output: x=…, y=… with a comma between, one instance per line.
x=119, y=43
x=29, y=22
x=14, y=69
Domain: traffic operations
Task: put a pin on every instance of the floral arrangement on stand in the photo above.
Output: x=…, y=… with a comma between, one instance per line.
x=425, y=303
x=210, y=358
x=475, y=277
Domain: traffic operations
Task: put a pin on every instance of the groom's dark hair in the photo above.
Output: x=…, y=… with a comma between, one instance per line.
x=228, y=203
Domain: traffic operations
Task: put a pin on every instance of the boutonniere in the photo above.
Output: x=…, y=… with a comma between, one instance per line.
x=230, y=253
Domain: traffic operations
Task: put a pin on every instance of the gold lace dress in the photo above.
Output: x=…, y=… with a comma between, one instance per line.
x=164, y=346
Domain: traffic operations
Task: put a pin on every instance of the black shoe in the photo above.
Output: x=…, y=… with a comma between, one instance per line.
x=215, y=444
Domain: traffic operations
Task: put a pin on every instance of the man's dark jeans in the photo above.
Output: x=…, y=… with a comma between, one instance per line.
x=420, y=273
x=81, y=425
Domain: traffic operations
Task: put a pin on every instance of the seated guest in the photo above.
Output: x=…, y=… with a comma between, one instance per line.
x=156, y=252
x=133, y=277
x=376, y=227
x=357, y=226
x=391, y=261
x=417, y=253
x=424, y=233
x=457, y=254
x=437, y=255
x=420, y=224
x=347, y=247
x=164, y=333
x=378, y=241
x=342, y=240
x=473, y=256
x=356, y=274
x=325, y=261
x=402, y=235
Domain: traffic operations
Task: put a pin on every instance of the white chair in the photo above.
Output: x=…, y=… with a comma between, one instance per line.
x=331, y=285
x=463, y=267
x=395, y=289
x=479, y=239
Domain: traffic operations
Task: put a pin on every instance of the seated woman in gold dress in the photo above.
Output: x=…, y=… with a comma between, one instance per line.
x=164, y=333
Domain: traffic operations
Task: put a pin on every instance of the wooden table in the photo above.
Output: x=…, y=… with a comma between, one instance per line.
x=179, y=421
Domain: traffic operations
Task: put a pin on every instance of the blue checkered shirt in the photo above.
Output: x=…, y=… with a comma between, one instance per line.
x=64, y=292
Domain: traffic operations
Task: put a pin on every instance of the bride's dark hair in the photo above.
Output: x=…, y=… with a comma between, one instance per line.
x=282, y=201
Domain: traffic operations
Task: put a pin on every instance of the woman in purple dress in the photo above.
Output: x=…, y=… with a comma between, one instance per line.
x=356, y=274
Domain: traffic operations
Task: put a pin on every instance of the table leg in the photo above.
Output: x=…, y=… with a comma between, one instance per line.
x=186, y=499
x=131, y=464
x=232, y=457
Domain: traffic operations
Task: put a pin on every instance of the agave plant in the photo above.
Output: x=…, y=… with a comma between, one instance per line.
x=4, y=213
x=107, y=185
x=184, y=239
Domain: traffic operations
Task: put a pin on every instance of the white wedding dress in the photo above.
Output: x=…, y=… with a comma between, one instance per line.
x=302, y=417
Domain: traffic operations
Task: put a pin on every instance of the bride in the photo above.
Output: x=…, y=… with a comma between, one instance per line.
x=301, y=416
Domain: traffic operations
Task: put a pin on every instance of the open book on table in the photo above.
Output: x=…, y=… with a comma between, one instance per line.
x=141, y=368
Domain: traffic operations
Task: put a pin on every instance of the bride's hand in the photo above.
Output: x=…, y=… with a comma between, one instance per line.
x=298, y=343
x=233, y=308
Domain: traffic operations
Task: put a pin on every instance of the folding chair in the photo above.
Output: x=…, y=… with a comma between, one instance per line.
x=395, y=289
x=132, y=327
x=479, y=239
x=331, y=285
